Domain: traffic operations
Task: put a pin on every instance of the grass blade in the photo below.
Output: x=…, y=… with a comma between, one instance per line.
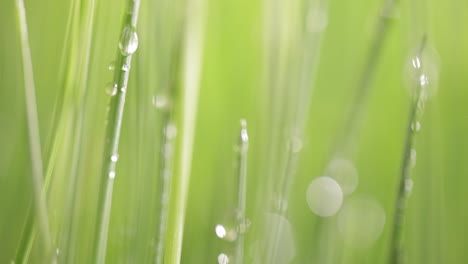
x=127, y=46
x=33, y=129
x=185, y=116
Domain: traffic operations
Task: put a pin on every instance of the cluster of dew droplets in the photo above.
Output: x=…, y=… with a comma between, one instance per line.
x=114, y=158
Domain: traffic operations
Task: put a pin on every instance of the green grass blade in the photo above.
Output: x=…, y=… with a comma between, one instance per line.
x=33, y=129
x=185, y=116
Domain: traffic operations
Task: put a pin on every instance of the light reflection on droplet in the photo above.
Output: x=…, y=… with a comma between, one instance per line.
x=361, y=221
x=125, y=67
x=408, y=186
x=115, y=157
x=111, y=89
x=345, y=173
x=295, y=144
x=422, y=70
x=220, y=231
x=324, y=196
x=223, y=259
x=226, y=233
x=161, y=102
x=111, y=66
x=128, y=43
x=111, y=175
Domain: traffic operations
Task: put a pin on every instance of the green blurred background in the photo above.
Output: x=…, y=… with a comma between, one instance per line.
x=231, y=88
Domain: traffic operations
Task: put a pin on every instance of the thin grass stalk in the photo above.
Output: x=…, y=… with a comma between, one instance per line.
x=308, y=63
x=185, y=116
x=127, y=46
x=352, y=122
x=418, y=99
x=243, y=147
x=33, y=129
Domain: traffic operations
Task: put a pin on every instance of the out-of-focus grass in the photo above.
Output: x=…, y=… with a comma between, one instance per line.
x=231, y=89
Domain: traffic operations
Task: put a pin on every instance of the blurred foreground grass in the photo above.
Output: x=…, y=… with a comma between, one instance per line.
x=233, y=68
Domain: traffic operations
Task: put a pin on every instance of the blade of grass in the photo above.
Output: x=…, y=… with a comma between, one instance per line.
x=243, y=147
x=185, y=116
x=127, y=46
x=33, y=129
x=418, y=98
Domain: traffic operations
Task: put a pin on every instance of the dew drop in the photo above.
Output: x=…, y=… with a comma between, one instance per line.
x=111, y=89
x=324, y=196
x=125, y=67
x=295, y=144
x=223, y=259
x=416, y=126
x=115, y=157
x=128, y=43
x=408, y=186
x=220, y=231
x=123, y=89
x=111, y=66
x=161, y=102
x=226, y=233
x=111, y=175
x=422, y=70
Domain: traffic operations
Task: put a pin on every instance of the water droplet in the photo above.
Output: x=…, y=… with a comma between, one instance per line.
x=423, y=80
x=345, y=173
x=220, y=231
x=416, y=62
x=125, y=67
x=128, y=43
x=161, y=102
x=111, y=175
x=244, y=134
x=324, y=196
x=223, y=259
x=123, y=89
x=416, y=126
x=111, y=66
x=361, y=221
x=115, y=157
x=422, y=70
x=111, y=89
x=295, y=144
x=408, y=186
x=225, y=233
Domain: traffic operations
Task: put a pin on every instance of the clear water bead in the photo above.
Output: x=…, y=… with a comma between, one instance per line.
x=125, y=67
x=111, y=89
x=115, y=157
x=161, y=101
x=128, y=43
x=223, y=259
x=111, y=66
x=111, y=175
